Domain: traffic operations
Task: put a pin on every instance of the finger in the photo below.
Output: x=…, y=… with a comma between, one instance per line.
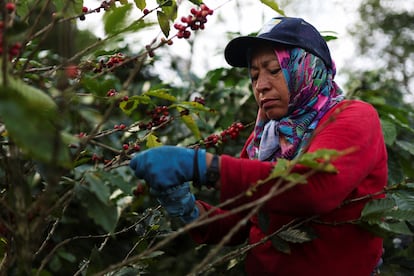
x=134, y=162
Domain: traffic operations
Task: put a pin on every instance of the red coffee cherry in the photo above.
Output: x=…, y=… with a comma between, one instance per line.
x=10, y=7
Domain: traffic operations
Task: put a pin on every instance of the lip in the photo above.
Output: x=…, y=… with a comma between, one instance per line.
x=266, y=103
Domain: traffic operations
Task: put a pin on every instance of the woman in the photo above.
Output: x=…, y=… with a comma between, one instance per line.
x=301, y=109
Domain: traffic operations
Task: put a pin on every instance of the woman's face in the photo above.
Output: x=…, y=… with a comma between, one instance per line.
x=269, y=85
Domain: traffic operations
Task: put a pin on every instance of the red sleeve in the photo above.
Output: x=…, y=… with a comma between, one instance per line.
x=356, y=126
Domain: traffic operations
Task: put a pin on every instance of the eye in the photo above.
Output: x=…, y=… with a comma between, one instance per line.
x=275, y=71
x=254, y=77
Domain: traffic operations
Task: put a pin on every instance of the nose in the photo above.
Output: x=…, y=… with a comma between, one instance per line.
x=262, y=84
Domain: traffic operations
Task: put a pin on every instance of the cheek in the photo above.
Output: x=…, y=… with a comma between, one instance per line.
x=256, y=96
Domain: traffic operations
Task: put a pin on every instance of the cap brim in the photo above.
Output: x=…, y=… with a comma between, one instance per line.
x=237, y=49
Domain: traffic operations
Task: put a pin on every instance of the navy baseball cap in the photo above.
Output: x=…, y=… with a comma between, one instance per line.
x=285, y=31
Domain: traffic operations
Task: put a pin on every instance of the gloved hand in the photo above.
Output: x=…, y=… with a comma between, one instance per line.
x=166, y=167
x=179, y=202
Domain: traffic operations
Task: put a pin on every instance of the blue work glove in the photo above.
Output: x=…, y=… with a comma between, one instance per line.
x=179, y=202
x=166, y=169
x=168, y=166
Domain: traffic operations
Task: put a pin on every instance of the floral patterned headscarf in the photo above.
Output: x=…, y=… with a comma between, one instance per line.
x=312, y=93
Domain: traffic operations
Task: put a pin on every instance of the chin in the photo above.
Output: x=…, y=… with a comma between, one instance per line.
x=273, y=116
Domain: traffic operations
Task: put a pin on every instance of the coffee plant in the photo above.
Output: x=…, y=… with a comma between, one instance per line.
x=74, y=108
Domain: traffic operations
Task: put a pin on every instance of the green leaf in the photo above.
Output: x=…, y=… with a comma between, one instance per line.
x=105, y=215
x=406, y=146
x=324, y=154
x=263, y=219
x=296, y=235
x=97, y=186
x=115, y=19
x=280, y=245
x=154, y=254
x=389, y=131
x=170, y=10
x=164, y=23
x=116, y=180
x=280, y=168
x=193, y=106
x=191, y=124
x=31, y=120
x=374, y=210
x=67, y=256
x=162, y=94
x=273, y=5
x=133, y=102
x=296, y=178
x=399, y=227
x=73, y=8
x=141, y=4
x=153, y=141
x=100, y=86
x=404, y=199
x=196, y=2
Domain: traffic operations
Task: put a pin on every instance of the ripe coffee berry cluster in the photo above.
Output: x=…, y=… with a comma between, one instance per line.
x=231, y=132
x=159, y=115
x=14, y=49
x=111, y=92
x=130, y=148
x=111, y=62
x=194, y=21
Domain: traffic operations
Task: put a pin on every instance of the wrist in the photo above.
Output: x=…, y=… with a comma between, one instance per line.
x=188, y=218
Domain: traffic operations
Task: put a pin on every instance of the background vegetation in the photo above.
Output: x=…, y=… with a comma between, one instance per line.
x=74, y=107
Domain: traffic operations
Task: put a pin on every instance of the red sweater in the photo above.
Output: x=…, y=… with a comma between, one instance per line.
x=343, y=249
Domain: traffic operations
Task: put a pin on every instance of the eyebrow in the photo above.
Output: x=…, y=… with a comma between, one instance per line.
x=265, y=63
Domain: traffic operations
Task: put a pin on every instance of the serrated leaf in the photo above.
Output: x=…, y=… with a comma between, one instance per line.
x=164, y=23
x=162, y=94
x=296, y=235
x=141, y=4
x=273, y=5
x=152, y=141
x=115, y=18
